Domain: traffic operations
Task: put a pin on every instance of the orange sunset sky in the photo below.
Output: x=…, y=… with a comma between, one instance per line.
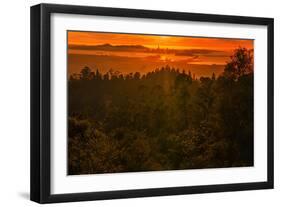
x=128, y=53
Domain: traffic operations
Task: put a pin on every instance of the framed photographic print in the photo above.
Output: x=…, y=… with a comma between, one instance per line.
x=133, y=103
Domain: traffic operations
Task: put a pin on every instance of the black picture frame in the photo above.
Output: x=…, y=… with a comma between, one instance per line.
x=41, y=96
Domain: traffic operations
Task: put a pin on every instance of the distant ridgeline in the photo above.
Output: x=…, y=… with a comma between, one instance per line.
x=166, y=119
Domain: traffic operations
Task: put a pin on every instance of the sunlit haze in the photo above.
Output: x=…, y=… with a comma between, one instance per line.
x=128, y=53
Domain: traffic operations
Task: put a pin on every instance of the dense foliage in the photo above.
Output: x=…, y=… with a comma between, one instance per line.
x=163, y=120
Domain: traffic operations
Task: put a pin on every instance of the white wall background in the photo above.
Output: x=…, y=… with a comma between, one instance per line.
x=14, y=101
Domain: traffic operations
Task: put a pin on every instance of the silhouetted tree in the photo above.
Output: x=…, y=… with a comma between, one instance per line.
x=85, y=73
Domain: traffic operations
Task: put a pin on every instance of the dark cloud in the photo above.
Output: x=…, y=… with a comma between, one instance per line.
x=201, y=52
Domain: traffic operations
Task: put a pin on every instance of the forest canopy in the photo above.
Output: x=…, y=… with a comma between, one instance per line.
x=166, y=119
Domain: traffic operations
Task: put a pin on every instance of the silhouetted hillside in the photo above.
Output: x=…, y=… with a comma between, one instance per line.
x=164, y=119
